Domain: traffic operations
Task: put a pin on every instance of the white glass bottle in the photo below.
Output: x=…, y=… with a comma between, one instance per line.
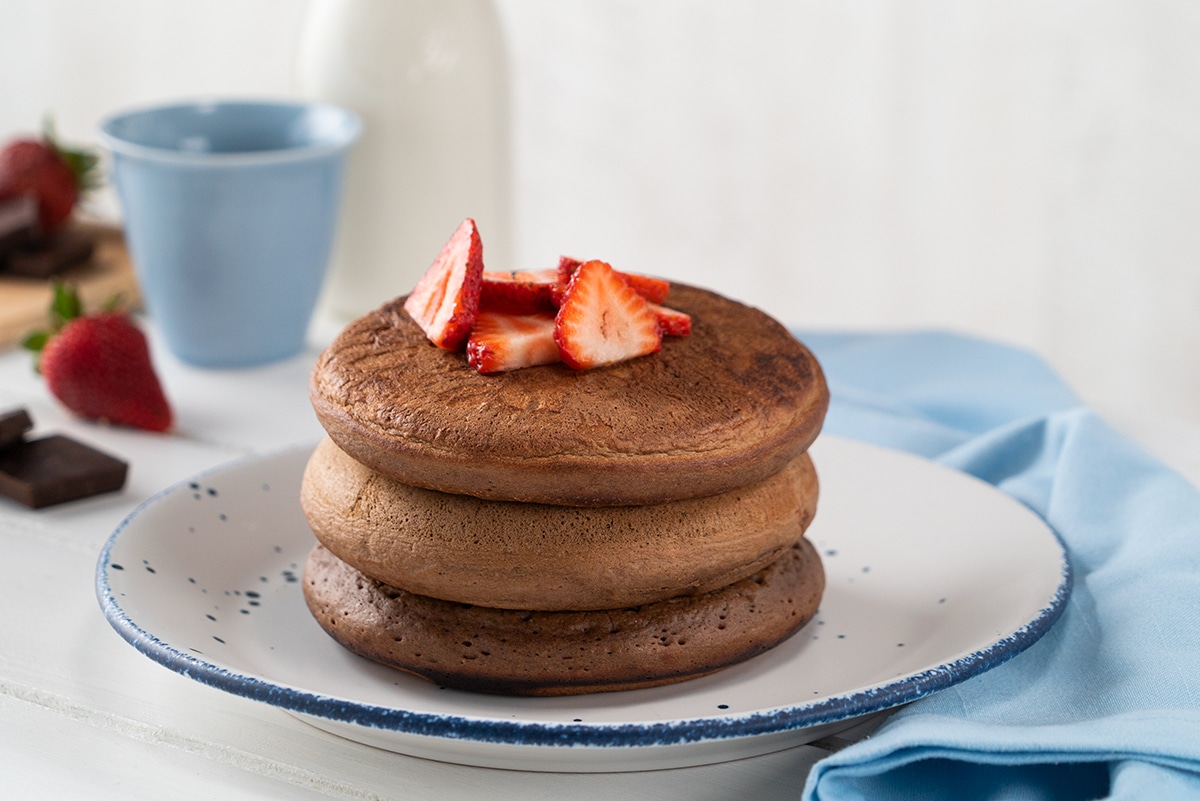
x=430, y=81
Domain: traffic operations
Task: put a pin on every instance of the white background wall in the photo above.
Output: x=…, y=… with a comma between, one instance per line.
x=1028, y=171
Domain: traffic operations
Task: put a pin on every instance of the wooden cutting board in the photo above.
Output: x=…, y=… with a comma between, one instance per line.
x=25, y=302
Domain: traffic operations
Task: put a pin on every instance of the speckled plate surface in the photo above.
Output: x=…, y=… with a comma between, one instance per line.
x=933, y=577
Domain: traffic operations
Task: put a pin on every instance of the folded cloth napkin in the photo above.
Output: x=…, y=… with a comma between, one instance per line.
x=1107, y=704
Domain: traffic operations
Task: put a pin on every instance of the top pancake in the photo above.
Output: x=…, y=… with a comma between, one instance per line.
x=712, y=412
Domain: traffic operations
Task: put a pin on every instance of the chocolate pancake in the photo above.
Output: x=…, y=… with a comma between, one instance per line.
x=536, y=556
x=563, y=653
x=717, y=410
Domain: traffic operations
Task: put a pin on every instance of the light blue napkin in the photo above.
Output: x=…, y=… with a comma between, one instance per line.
x=1107, y=705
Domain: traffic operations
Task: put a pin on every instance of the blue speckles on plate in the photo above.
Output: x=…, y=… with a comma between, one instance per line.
x=917, y=559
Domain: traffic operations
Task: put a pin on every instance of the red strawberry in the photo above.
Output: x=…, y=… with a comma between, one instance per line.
x=52, y=175
x=446, y=299
x=99, y=367
x=654, y=290
x=602, y=320
x=501, y=342
x=672, y=322
x=519, y=292
x=566, y=268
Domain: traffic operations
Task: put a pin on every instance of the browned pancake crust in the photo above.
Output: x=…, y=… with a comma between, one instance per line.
x=535, y=556
x=564, y=653
x=720, y=409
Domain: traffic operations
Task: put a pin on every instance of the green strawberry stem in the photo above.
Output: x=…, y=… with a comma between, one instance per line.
x=64, y=307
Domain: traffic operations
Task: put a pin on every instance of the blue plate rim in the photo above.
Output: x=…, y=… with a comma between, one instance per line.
x=904, y=690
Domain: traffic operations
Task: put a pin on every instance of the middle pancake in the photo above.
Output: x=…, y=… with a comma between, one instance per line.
x=510, y=555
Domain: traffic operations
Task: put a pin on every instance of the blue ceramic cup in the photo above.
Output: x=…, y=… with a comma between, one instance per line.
x=230, y=211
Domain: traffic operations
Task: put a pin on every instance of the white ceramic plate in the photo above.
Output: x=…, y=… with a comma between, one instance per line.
x=933, y=577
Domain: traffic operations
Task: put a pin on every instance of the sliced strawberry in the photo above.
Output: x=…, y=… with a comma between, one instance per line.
x=654, y=290
x=602, y=320
x=519, y=292
x=535, y=276
x=567, y=265
x=446, y=299
x=673, y=323
x=566, y=268
x=501, y=342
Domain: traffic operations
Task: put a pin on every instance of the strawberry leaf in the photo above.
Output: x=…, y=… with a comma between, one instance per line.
x=36, y=341
x=64, y=306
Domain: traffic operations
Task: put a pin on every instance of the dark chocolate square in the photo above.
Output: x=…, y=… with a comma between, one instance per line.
x=13, y=425
x=18, y=223
x=52, y=255
x=56, y=469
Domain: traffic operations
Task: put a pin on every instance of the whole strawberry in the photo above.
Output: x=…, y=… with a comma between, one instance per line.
x=53, y=175
x=98, y=366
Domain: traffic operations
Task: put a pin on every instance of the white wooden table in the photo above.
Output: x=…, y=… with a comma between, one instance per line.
x=84, y=715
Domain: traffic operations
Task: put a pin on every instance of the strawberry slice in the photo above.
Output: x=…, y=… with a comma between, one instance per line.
x=566, y=268
x=446, y=299
x=602, y=320
x=654, y=290
x=672, y=322
x=500, y=342
x=523, y=292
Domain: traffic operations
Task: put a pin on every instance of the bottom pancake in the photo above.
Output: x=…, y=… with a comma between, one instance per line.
x=516, y=652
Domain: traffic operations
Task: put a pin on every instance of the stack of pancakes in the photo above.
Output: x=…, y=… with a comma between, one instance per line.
x=548, y=531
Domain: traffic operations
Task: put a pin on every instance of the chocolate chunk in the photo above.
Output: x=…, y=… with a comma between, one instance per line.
x=52, y=255
x=18, y=223
x=13, y=425
x=56, y=469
